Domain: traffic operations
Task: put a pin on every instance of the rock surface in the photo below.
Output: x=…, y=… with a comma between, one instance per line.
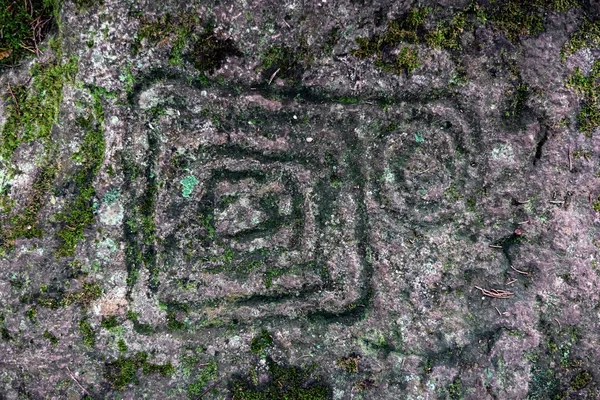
x=331, y=199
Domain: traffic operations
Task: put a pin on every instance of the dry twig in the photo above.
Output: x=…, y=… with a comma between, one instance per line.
x=18, y=107
x=77, y=382
x=519, y=271
x=495, y=293
x=273, y=76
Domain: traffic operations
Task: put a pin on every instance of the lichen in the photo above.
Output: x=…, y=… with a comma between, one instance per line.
x=189, y=183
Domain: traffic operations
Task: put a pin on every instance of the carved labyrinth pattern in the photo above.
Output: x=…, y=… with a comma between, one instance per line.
x=426, y=165
x=271, y=222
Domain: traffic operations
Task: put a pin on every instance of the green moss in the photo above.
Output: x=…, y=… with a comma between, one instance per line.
x=122, y=346
x=286, y=383
x=580, y=380
x=81, y=212
x=87, y=333
x=446, y=35
x=25, y=224
x=261, y=342
x=51, y=338
x=285, y=63
x=31, y=313
x=86, y=4
x=332, y=39
x=588, y=88
x=127, y=78
x=518, y=100
x=162, y=369
x=587, y=35
x=455, y=390
x=90, y=292
x=123, y=371
x=33, y=112
x=209, y=50
x=109, y=323
x=518, y=18
x=405, y=61
x=4, y=333
x=515, y=18
x=404, y=30
x=176, y=30
x=198, y=386
x=24, y=26
x=348, y=364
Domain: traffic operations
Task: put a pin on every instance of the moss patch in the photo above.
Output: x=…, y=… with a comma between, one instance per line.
x=587, y=35
x=109, y=323
x=518, y=18
x=24, y=26
x=349, y=364
x=284, y=62
x=87, y=333
x=122, y=372
x=89, y=293
x=90, y=155
x=580, y=380
x=285, y=383
x=421, y=26
x=209, y=50
x=588, y=89
x=261, y=342
x=25, y=224
x=202, y=378
x=51, y=338
x=33, y=112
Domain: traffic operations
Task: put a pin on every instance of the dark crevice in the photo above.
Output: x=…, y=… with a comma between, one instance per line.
x=540, y=145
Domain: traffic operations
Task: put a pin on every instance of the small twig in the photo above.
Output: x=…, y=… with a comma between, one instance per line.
x=211, y=387
x=524, y=222
x=511, y=282
x=520, y=272
x=14, y=99
x=570, y=159
x=495, y=293
x=495, y=246
x=286, y=23
x=556, y=202
x=77, y=382
x=558, y=322
x=499, y=313
x=273, y=76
